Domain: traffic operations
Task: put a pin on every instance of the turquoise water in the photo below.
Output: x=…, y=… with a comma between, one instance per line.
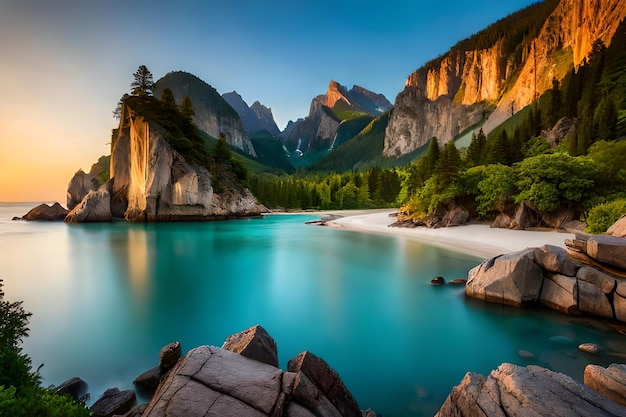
x=106, y=297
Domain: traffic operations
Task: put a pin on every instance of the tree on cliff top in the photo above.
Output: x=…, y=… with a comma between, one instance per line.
x=143, y=84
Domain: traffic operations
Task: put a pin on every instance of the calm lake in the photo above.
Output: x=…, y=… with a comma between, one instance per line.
x=106, y=297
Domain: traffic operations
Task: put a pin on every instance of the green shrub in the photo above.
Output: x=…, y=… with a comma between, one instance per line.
x=602, y=216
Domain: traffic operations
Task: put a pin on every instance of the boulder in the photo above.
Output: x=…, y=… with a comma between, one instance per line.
x=456, y=216
x=254, y=343
x=74, y=387
x=502, y=221
x=555, y=259
x=560, y=292
x=213, y=381
x=525, y=217
x=513, y=390
x=610, y=382
x=513, y=279
x=46, y=212
x=619, y=305
x=150, y=379
x=607, y=249
x=618, y=229
x=113, y=402
x=458, y=281
x=79, y=186
x=592, y=300
x=169, y=355
x=327, y=381
x=95, y=207
x=605, y=282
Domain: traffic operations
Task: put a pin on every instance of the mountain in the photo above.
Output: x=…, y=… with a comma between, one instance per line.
x=488, y=77
x=328, y=112
x=213, y=115
x=254, y=118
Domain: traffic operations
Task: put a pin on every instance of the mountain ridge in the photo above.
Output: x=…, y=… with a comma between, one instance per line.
x=466, y=87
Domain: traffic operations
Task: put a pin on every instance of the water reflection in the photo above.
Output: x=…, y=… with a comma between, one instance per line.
x=106, y=297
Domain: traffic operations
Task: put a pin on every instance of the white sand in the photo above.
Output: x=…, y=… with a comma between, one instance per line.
x=475, y=239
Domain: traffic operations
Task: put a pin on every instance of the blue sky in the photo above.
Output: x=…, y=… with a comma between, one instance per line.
x=65, y=64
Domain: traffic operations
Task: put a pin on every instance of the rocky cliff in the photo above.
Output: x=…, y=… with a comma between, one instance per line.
x=213, y=115
x=496, y=76
x=150, y=181
x=254, y=118
x=319, y=128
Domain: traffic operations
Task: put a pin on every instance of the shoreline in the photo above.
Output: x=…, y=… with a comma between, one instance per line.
x=478, y=240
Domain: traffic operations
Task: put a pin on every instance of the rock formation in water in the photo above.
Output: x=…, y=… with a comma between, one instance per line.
x=150, y=181
x=512, y=390
x=319, y=128
x=254, y=118
x=592, y=283
x=463, y=87
x=45, y=212
x=212, y=114
x=243, y=379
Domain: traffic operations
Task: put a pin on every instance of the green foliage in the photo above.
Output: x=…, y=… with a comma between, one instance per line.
x=102, y=168
x=477, y=150
x=495, y=188
x=20, y=393
x=551, y=180
x=40, y=402
x=14, y=365
x=602, y=216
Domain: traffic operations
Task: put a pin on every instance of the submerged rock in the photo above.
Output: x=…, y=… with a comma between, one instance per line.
x=590, y=348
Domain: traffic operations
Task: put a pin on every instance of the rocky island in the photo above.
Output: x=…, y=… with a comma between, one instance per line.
x=152, y=181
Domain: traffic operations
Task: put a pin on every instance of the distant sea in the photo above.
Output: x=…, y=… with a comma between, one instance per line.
x=106, y=297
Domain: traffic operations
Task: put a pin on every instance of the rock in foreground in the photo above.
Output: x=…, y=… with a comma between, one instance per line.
x=211, y=381
x=516, y=391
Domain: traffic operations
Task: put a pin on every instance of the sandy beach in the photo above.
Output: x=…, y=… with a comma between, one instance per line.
x=474, y=239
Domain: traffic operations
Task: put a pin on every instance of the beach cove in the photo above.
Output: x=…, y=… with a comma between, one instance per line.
x=106, y=297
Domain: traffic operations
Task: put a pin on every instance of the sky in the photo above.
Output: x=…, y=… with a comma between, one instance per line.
x=64, y=64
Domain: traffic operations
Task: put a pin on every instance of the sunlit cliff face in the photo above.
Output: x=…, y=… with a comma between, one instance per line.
x=480, y=76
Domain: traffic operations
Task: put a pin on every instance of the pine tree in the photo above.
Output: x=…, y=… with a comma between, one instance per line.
x=143, y=84
x=497, y=152
x=556, y=103
x=186, y=107
x=167, y=98
x=477, y=149
x=605, y=120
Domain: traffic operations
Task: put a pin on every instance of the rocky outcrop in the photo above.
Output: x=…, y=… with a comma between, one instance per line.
x=168, y=357
x=152, y=182
x=212, y=114
x=512, y=390
x=79, y=186
x=548, y=276
x=527, y=216
x=95, y=207
x=358, y=98
x=254, y=118
x=55, y=212
x=319, y=128
x=220, y=382
x=459, y=89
